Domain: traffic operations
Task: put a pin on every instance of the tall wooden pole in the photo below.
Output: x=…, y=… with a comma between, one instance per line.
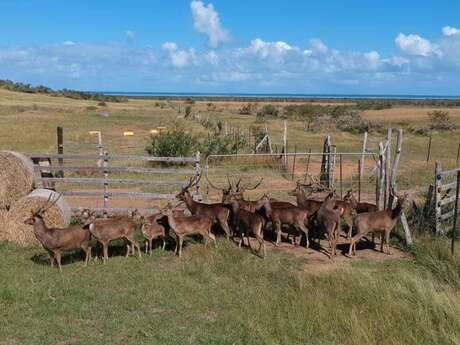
x=341, y=176
x=60, y=148
x=454, y=227
x=458, y=154
x=285, y=142
x=428, y=154
x=293, y=163
x=359, y=180
x=363, y=153
x=308, y=165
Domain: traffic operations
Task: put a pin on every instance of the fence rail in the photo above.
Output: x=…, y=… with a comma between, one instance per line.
x=50, y=168
x=444, y=197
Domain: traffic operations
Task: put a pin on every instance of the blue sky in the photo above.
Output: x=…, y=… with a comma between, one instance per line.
x=367, y=47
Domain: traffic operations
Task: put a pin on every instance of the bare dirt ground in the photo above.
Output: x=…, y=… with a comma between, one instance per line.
x=317, y=260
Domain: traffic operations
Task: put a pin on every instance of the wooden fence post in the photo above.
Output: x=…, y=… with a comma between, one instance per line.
x=458, y=154
x=359, y=179
x=308, y=165
x=437, y=196
x=198, y=173
x=363, y=153
x=60, y=148
x=381, y=178
x=106, y=183
x=285, y=143
x=454, y=227
x=428, y=154
x=394, y=170
x=388, y=167
x=293, y=163
x=341, y=176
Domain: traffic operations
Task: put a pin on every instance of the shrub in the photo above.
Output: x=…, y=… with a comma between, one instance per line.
x=216, y=144
x=174, y=143
x=102, y=104
x=441, y=121
x=248, y=109
x=268, y=110
x=188, y=111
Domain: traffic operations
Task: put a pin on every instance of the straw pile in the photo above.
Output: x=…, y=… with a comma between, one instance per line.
x=16, y=177
x=14, y=229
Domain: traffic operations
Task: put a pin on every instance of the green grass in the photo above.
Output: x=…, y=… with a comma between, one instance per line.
x=227, y=296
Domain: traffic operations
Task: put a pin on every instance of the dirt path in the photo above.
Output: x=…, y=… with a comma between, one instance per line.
x=318, y=261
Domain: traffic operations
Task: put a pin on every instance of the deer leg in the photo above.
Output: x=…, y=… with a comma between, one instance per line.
x=180, y=246
x=51, y=254
x=387, y=242
x=135, y=245
x=224, y=225
x=87, y=251
x=382, y=241
x=305, y=231
x=278, y=233
x=164, y=243
x=105, y=251
x=57, y=255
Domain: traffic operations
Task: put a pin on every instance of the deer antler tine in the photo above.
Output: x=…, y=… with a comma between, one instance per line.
x=211, y=184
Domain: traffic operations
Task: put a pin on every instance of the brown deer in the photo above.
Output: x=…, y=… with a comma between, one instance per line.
x=292, y=216
x=247, y=223
x=107, y=230
x=56, y=240
x=359, y=207
x=302, y=201
x=152, y=230
x=329, y=221
x=380, y=221
x=216, y=212
x=187, y=226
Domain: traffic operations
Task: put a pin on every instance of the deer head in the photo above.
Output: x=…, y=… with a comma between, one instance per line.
x=38, y=213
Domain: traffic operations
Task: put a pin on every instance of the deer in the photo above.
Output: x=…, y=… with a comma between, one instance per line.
x=152, y=230
x=216, y=212
x=359, y=207
x=302, y=201
x=293, y=216
x=55, y=240
x=187, y=226
x=329, y=221
x=379, y=221
x=252, y=223
x=107, y=230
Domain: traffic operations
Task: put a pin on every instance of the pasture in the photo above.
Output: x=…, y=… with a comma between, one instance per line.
x=225, y=295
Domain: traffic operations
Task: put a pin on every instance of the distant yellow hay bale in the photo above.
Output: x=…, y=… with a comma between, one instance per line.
x=16, y=177
x=14, y=229
x=128, y=133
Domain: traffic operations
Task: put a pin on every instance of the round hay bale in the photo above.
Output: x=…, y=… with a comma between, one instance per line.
x=3, y=220
x=16, y=177
x=57, y=216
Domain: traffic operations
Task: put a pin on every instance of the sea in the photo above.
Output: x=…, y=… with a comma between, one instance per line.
x=277, y=95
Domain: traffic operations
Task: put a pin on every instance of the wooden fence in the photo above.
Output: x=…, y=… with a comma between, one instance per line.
x=445, y=183
x=105, y=167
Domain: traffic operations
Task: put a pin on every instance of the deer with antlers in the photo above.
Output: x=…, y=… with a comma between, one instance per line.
x=55, y=240
x=303, y=201
x=216, y=212
x=291, y=216
x=380, y=221
x=107, y=230
x=247, y=223
x=187, y=226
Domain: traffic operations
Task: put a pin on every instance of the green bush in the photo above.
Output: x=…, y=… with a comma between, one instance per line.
x=441, y=121
x=188, y=111
x=216, y=144
x=268, y=110
x=173, y=143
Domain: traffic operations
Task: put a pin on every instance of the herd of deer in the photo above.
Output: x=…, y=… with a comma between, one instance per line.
x=236, y=216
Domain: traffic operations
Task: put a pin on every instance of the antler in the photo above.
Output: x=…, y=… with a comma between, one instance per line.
x=48, y=204
x=244, y=188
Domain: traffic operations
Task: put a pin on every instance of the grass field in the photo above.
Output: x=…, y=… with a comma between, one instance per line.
x=224, y=295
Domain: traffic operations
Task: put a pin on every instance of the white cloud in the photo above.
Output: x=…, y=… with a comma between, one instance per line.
x=68, y=43
x=416, y=45
x=206, y=20
x=317, y=46
x=130, y=35
x=179, y=58
x=450, y=31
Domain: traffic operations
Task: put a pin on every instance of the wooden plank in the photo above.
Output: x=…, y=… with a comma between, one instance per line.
x=119, y=194
x=447, y=201
x=118, y=169
x=114, y=211
x=406, y=229
x=114, y=158
x=437, y=196
x=454, y=226
x=100, y=181
x=447, y=215
x=448, y=172
x=447, y=186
